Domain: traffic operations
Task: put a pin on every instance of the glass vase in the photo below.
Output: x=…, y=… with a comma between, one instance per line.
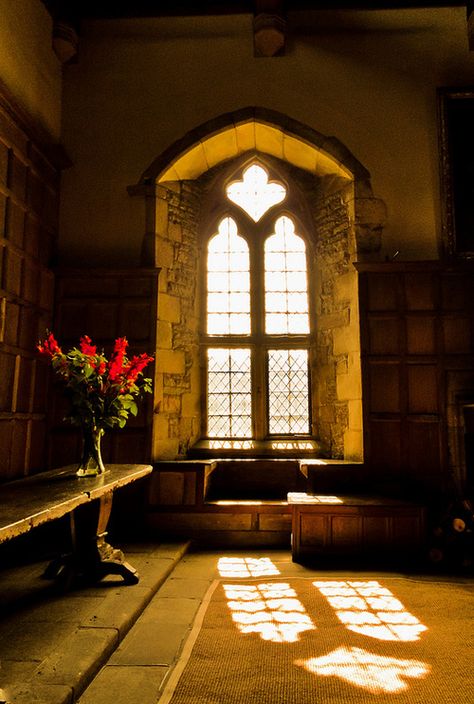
x=91, y=462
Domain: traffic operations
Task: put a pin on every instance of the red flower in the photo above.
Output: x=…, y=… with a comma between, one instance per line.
x=50, y=347
x=136, y=365
x=100, y=368
x=87, y=347
x=116, y=360
x=100, y=391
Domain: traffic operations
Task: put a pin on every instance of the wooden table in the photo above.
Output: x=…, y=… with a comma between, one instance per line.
x=35, y=500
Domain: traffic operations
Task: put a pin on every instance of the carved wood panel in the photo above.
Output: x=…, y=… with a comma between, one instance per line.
x=29, y=192
x=417, y=324
x=364, y=527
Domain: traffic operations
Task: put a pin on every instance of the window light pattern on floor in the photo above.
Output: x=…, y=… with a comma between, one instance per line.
x=247, y=567
x=292, y=445
x=272, y=610
x=378, y=674
x=231, y=445
x=302, y=498
x=368, y=608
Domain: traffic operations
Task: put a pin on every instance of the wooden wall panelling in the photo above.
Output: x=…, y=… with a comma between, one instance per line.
x=417, y=324
x=385, y=384
x=425, y=455
x=421, y=334
x=457, y=334
x=29, y=194
x=420, y=290
x=384, y=446
x=106, y=304
x=423, y=389
x=384, y=334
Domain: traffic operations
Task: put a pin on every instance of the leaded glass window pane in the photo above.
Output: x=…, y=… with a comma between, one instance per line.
x=286, y=292
x=288, y=392
x=228, y=282
x=229, y=395
x=277, y=280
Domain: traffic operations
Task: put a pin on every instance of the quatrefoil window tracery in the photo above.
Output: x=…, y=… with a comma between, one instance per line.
x=255, y=194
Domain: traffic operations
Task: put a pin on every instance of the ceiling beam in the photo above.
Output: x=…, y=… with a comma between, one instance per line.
x=105, y=9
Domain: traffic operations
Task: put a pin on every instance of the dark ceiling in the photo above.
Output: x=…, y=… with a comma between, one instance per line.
x=95, y=9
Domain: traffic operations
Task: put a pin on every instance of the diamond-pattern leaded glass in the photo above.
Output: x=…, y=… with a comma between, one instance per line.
x=288, y=392
x=229, y=396
x=255, y=194
x=286, y=294
x=228, y=282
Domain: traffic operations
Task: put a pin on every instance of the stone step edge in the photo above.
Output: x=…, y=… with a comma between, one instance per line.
x=65, y=674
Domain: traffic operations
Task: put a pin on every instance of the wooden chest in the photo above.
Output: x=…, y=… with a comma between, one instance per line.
x=355, y=525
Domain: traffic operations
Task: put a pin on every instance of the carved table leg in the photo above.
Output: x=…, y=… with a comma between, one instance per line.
x=110, y=560
x=91, y=557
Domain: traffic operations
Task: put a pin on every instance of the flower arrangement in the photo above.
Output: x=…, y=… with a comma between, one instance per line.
x=102, y=392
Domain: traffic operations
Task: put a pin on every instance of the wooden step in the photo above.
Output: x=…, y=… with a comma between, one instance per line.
x=225, y=522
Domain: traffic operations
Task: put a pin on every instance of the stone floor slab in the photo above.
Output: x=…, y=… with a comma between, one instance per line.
x=31, y=640
x=77, y=659
x=150, y=644
x=53, y=644
x=37, y=694
x=192, y=588
x=163, y=610
x=125, y=685
x=121, y=609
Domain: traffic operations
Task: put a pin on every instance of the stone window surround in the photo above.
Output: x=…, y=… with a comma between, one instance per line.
x=348, y=221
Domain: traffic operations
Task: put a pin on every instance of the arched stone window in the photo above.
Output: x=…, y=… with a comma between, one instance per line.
x=315, y=203
x=256, y=339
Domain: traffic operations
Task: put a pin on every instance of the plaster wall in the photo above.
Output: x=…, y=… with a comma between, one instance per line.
x=368, y=78
x=28, y=66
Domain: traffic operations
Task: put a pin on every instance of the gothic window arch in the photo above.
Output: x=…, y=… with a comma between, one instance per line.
x=257, y=315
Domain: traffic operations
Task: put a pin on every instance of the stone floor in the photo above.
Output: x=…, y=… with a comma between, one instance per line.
x=52, y=644
x=112, y=643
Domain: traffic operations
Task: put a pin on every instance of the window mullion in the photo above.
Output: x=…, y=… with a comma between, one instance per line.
x=259, y=392
x=259, y=380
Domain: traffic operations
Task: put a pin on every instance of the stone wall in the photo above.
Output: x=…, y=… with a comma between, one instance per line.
x=337, y=368
x=177, y=383
x=342, y=233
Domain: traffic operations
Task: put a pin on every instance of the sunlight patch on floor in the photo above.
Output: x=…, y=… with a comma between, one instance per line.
x=377, y=674
x=368, y=608
x=247, y=567
x=272, y=610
